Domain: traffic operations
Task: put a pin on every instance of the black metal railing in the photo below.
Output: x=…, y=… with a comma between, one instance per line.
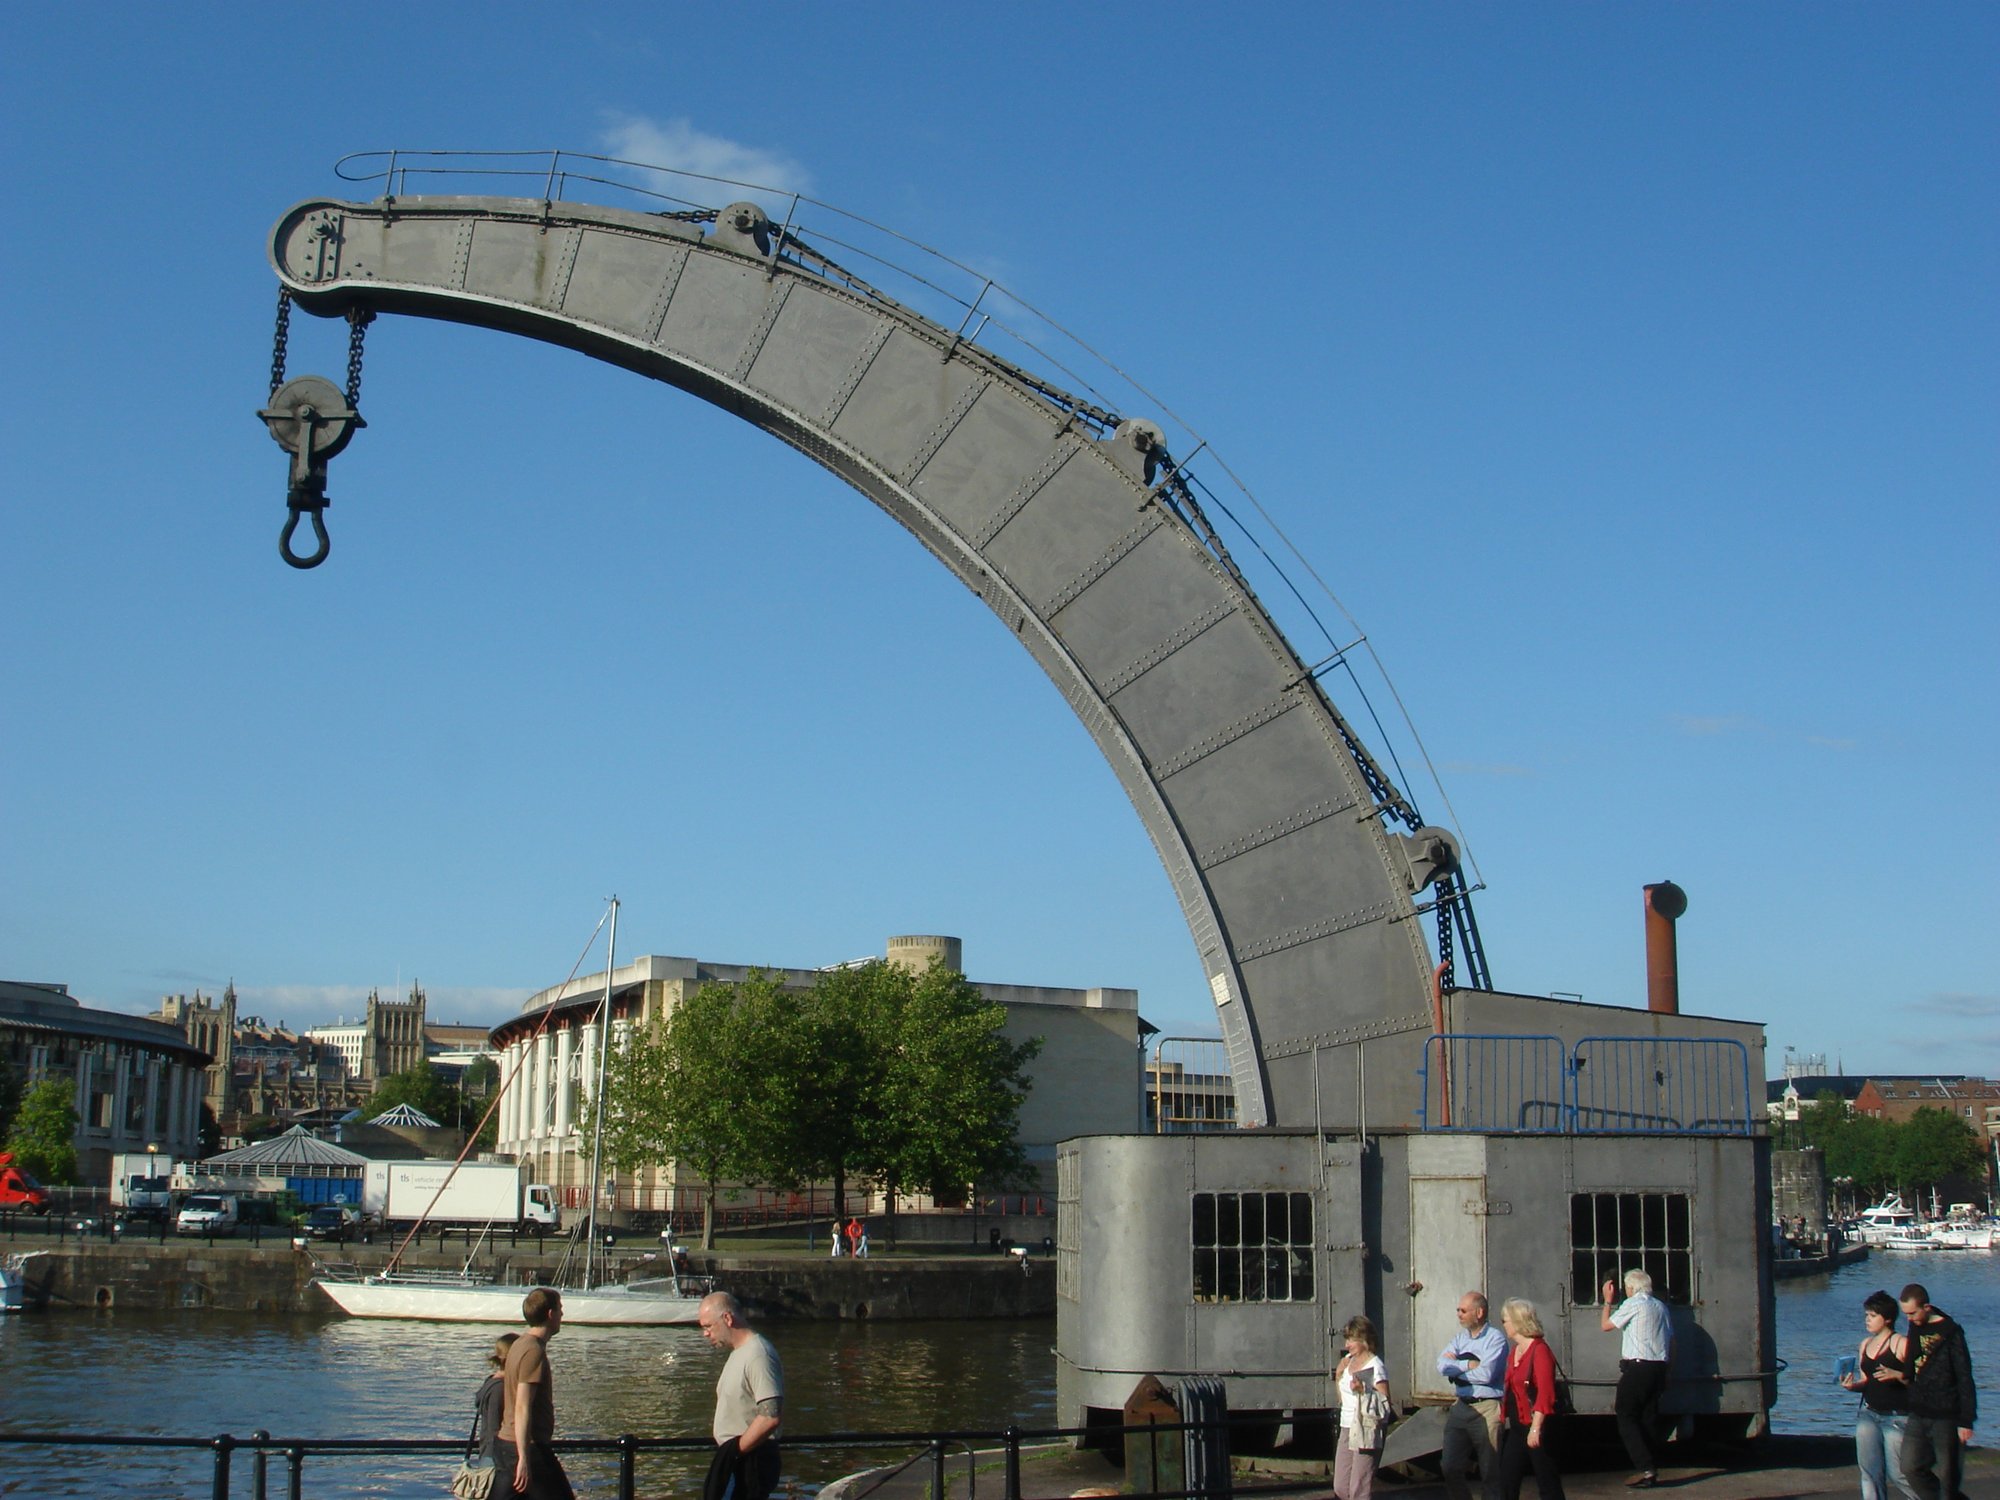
x=279, y=1465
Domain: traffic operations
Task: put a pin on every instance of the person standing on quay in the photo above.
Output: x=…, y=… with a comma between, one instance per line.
x=749, y=1405
x=1475, y=1364
x=489, y=1406
x=1944, y=1403
x=1530, y=1403
x=1365, y=1410
x=528, y=1405
x=1647, y=1346
x=1882, y=1376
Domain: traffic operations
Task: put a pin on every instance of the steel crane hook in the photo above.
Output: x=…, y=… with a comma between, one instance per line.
x=311, y=420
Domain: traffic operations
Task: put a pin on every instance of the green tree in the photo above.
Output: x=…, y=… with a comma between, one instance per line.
x=480, y=1075
x=421, y=1087
x=953, y=1086
x=820, y=1117
x=1934, y=1144
x=43, y=1136
x=677, y=1091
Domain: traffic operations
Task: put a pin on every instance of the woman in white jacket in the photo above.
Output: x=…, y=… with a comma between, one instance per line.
x=1365, y=1411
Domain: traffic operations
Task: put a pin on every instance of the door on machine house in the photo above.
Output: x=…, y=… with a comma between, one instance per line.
x=1447, y=1247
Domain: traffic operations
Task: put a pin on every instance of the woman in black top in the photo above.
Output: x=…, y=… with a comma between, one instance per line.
x=492, y=1393
x=1884, y=1383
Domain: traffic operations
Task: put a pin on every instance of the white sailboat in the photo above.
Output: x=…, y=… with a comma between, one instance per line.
x=461, y=1297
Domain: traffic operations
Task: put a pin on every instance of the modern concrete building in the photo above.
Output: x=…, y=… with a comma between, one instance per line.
x=139, y=1083
x=1086, y=1079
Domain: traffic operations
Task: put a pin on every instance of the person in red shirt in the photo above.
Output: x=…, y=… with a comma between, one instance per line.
x=1529, y=1404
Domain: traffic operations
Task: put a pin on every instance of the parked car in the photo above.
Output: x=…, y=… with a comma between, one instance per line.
x=332, y=1221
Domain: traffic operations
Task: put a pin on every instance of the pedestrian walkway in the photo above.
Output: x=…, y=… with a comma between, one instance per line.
x=1778, y=1468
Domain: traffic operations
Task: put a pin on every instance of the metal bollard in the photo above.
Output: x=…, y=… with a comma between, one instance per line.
x=1012, y=1483
x=937, y=1470
x=224, y=1446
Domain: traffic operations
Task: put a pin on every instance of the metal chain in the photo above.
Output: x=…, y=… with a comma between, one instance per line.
x=357, y=329
x=278, y=341
x=1447, y=898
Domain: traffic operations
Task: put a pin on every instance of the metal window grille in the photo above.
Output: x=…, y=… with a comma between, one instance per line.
x=1612, y=1233
x=1252, y=1247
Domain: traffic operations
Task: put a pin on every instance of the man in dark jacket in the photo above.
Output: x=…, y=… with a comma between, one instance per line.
x=1943, y=1401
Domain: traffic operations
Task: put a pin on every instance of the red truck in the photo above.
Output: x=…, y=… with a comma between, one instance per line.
x=18, y=1188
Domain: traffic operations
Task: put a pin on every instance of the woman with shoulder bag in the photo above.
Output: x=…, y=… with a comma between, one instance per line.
x=1529, y=1403
x=1365, y=1411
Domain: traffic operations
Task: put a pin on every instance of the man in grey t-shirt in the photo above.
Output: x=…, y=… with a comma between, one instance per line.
x=749, y=1404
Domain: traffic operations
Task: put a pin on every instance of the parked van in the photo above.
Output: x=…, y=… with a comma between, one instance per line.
x=18, y=1189
x=207, y=1213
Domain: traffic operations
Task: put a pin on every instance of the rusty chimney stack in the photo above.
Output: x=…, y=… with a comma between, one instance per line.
x=1664, y=904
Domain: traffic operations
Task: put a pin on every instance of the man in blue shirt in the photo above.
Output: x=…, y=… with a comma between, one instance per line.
x=1475, y=1363
x=1642, y=1368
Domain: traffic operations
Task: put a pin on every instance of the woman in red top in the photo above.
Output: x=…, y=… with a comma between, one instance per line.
x=1529, y=1403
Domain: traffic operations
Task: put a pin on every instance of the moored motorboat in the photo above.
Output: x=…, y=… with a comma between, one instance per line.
x=1888, y=1221
x=1963, y=1228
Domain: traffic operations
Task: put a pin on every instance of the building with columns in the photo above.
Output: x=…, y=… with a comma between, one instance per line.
x=1086, y=1080
x=139, y=1083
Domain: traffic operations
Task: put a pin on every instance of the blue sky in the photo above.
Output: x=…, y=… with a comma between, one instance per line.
x=1628, y=371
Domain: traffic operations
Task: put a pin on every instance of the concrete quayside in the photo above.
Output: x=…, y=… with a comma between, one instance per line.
x=272, y=1277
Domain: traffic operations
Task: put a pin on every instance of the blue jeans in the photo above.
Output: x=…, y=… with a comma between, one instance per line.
x=1878, y=1450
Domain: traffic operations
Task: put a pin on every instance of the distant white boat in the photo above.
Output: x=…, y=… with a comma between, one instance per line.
x=13, y=1283
x=1888, y=1222
x=1963, y=1228
x=653, y=1301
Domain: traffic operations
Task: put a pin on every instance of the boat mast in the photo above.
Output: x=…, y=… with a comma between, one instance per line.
x=597, y=1109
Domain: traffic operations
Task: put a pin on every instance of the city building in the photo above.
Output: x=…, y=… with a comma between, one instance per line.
x=139, y=1083
x=1188, y=1086
x=1974, y=1100
x=1086, y=1079
x=258, y=1071
x=389, y=1038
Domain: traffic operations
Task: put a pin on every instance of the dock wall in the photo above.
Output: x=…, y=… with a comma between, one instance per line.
x=274, y=1279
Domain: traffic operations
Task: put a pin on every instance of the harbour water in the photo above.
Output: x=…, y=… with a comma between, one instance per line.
x=201, y=1373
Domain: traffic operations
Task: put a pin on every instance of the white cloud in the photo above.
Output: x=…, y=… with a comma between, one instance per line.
x=1951, y=1003
x=677, y=146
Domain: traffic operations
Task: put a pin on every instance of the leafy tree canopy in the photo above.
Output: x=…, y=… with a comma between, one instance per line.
x=874, y=1074
x=43, y=1135
x=421, y=1087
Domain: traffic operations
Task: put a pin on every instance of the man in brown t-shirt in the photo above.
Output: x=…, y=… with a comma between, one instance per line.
x=523, y=1456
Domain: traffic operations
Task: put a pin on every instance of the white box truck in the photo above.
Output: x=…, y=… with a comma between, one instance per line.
x=477, y=1194
x=141, y=1184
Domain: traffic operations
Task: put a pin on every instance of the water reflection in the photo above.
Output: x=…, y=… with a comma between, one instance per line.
x=192, y=1373
x=1819, y=1319
x=203, y=1373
